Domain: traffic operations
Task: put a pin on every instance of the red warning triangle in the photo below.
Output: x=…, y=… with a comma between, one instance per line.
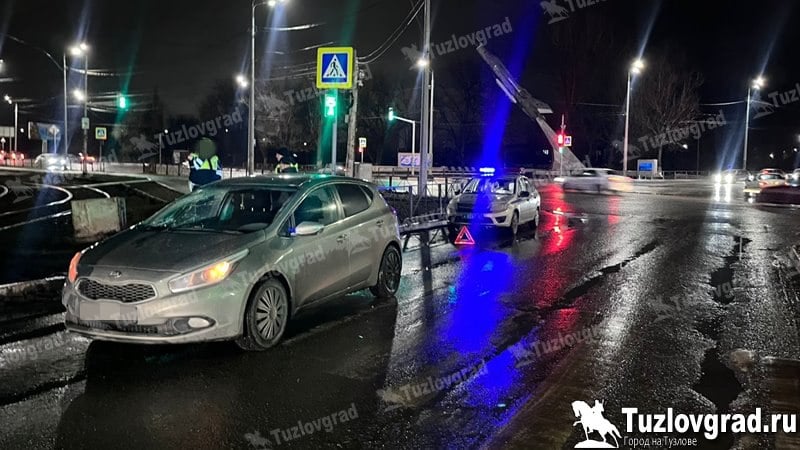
x=464, y=237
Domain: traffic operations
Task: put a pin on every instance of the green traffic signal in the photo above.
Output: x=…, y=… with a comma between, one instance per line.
x=330, y=105
x=122, y=102
x=391, y=114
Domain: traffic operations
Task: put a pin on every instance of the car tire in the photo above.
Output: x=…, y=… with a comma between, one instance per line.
x=535, y=221
x=514, y=228
x=389, y=274
x=452, y=233
x=266, y=317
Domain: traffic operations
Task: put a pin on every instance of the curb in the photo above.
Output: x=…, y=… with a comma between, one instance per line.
x=9, y=292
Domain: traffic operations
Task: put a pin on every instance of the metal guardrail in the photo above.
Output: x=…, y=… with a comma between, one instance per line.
x=423, y=223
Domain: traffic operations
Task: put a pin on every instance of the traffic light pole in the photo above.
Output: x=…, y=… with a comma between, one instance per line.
x=426, y=98
x=334, y=136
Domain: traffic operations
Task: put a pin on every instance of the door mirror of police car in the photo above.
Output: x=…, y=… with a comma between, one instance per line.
x=524, y=194
x=308, y=229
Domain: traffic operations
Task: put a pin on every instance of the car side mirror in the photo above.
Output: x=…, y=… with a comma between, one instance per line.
x=457, y=191
x=524, y=194
x=308, y=229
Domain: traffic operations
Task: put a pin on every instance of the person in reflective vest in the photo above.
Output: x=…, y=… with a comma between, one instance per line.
x=204, y=165
x=286, y=161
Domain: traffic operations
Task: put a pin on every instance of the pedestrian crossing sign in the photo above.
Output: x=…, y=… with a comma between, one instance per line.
x=335, y=66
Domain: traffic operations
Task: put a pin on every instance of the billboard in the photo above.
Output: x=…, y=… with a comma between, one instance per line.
x=38, y=131
x=411, y=160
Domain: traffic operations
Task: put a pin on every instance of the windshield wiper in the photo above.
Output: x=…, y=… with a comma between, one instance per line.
x=204, y=230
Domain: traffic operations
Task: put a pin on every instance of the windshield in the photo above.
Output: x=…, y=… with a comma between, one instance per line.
x=223, y=210
x=490, y=185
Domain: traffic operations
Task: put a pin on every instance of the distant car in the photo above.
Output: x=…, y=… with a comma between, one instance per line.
x=55, y=161
x=495, y=201
x=782, y=194
x=597, y=180
x=794, y=178
x=772, y=172
x=235, y=260
x=731, y=176
x=765, y=181
x=12, y=157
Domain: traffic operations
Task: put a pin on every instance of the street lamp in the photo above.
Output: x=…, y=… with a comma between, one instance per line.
x=636, y=68
x=8, y=100
x=79, y=95
x=78, y=51
x=251, y=126
x=241, y=80
x=392, y=118
x=757, y=84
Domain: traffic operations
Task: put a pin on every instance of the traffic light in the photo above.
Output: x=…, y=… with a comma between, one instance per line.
x=560, y=139
x=330, y=105
x=122, y=102
x=391, y=114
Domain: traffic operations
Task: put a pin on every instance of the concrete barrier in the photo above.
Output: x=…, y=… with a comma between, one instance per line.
x=95, y=218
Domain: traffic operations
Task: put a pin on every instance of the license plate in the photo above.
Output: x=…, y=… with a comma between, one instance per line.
x=107, y=311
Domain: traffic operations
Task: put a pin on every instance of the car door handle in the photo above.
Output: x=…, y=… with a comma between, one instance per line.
x=341, y=238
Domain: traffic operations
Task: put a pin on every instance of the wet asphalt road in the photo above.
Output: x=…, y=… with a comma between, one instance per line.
x=480, y=348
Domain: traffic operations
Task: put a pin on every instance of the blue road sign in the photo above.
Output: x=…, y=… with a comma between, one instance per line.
x=335, y=66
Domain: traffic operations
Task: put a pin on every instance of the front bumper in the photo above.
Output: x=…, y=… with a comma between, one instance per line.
x=211, y=314
x=501, y=219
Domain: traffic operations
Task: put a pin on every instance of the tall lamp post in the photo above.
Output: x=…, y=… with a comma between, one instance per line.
x=392, y=118
x=78, y=51
x=14, y=146
x=635, y=69
x=426, y=106
x=757, y=84
x=251, y=126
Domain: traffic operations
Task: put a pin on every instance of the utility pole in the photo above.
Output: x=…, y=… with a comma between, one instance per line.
x=16, y=126
x=426, y=99
x=66, y=130
x=352, y=124
x=84, y=123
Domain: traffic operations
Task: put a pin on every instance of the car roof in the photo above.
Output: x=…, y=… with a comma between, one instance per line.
x=294, y=180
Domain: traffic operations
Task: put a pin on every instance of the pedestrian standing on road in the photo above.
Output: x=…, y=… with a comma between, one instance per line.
x=286, y=161
x=204, y=165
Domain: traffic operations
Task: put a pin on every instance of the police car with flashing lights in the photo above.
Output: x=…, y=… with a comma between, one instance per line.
x=494, y=200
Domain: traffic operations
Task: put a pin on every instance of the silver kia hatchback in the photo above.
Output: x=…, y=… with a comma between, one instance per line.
x=235, y=260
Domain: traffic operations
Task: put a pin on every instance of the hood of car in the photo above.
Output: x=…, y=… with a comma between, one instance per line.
x=165, y=251
x=472, y=202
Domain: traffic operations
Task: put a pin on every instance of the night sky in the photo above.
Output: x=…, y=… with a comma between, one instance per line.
x=182, y=47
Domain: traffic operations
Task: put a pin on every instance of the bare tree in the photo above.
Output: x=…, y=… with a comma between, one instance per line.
x=665, y=99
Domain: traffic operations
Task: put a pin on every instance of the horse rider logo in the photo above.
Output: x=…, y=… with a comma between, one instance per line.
x=557, y=12
x=591, y=418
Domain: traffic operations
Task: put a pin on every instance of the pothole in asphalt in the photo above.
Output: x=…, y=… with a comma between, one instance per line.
x=719, y=385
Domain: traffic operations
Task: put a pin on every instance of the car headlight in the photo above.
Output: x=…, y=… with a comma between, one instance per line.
x=72, y=273
x=729, y=178
x=718, y=178
x=499, y=207
x=207, y=276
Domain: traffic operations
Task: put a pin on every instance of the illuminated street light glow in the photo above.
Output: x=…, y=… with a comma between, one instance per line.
x=637, y=67
x=759, y=83
x=241, y=80
x=423, y=63
x=79, y=95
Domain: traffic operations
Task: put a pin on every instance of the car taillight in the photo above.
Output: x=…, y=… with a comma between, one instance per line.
x=72, y=274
